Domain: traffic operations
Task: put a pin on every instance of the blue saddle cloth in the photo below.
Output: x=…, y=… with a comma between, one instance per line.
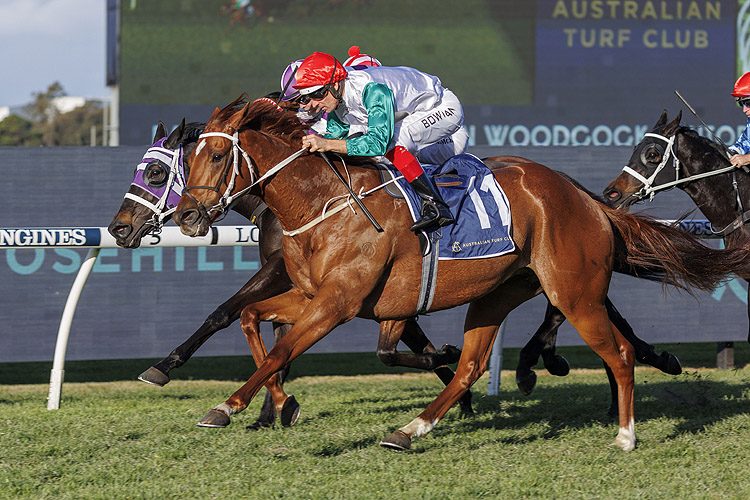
x=478, y=203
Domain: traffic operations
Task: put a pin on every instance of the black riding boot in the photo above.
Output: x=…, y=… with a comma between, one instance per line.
x=435, y=211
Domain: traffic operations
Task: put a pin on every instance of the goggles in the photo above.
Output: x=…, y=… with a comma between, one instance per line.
x=316, y=95
x=743, y=101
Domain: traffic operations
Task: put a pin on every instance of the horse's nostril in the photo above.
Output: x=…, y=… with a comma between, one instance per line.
x=189, y=216
x=613, y=194
x=121, y=230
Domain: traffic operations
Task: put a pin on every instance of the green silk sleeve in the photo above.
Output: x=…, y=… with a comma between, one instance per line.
x=378, y=101
x=335, y=128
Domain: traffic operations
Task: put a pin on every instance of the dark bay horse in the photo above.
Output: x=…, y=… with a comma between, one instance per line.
x=141, y=212
x=565, y=246
x=672, y=155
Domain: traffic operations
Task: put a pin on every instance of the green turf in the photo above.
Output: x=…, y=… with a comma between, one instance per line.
x=120, y=440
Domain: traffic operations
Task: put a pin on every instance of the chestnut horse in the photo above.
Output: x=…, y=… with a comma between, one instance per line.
x=672, y=155
x=141, y=212
x=565, y=244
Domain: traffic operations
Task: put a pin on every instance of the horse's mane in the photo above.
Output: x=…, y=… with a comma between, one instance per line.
x=706, y=144
x=264, y=116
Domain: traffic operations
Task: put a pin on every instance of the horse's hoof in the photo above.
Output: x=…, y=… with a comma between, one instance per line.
x=670, y=364
x=215, y=418
x=452, y=354
x=154, y=376
x=289, y=412
x=397, y=441
x=526, y=384
x=558, y=366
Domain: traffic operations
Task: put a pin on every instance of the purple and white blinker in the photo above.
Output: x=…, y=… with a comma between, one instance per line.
x=168, y=194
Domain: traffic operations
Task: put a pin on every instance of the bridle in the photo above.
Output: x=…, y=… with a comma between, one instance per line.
x=227, y=197
x=649, y=190
x=173, y=188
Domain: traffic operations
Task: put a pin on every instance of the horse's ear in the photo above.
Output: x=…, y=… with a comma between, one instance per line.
x=662, y=120
x=174, y=138
x=161, y=131
x=216, y=112
x=672, y=126
x=239, y=118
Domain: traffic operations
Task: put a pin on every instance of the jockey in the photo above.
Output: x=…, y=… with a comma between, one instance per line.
x=742, y=146
x=358, y=59
x=318, y=121
x=431, y=127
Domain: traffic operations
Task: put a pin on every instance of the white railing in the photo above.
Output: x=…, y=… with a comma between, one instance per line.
x=96, y=238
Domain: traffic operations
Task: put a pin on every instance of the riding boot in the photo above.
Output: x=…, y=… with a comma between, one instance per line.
x=435, y=212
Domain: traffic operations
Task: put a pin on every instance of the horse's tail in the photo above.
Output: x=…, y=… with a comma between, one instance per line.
x=648, y=246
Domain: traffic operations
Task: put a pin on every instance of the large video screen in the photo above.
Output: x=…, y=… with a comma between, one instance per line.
x=536, y=72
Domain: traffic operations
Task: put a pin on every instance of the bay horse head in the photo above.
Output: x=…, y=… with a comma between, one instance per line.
x=670, y=155
x=225, y=169
x=157, y=185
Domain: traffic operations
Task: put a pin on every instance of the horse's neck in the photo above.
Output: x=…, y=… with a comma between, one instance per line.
x=715, y=196
x=303, y=189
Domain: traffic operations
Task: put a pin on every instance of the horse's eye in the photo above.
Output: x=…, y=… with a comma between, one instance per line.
x=216, y=157
x=651, y=156
x=155, y=175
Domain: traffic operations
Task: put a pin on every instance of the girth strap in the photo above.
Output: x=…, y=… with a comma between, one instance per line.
x=429, y=270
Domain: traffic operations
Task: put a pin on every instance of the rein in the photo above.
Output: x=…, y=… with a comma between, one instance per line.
x=648, y=190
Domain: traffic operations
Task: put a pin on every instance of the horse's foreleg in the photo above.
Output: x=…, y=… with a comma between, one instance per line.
x=425, y=356
x=270, y=280
x=542, y=343
x=312, y=319
x=276, y=400
x=644, y=352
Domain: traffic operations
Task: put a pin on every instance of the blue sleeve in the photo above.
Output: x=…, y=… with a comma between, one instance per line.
x=742, y=146
x=378, y=101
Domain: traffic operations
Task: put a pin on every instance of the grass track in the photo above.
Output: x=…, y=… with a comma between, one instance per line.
x=128, y=440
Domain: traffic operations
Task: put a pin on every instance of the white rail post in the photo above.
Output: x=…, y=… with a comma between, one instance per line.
x=496, y=362
x=63, y=332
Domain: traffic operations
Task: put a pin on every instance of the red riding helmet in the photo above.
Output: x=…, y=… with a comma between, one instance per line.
x=317, y=70
x=742, y=86
x=358, y=59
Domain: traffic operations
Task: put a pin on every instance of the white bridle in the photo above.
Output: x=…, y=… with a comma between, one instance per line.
x=648, y=190
x=227, y=198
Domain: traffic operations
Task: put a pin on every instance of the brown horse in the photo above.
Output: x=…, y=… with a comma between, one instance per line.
x=342, y=268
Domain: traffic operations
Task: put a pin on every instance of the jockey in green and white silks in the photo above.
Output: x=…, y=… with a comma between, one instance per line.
x=403, y=111
x=431, y=127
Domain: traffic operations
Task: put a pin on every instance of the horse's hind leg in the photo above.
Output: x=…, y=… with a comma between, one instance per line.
x=542, y=343
x=482, y=322
x=644, y=352
x=604, y=338
x=425, y=356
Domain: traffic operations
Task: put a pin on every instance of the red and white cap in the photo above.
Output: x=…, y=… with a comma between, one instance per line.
x=317, y=70
x=358, y=59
